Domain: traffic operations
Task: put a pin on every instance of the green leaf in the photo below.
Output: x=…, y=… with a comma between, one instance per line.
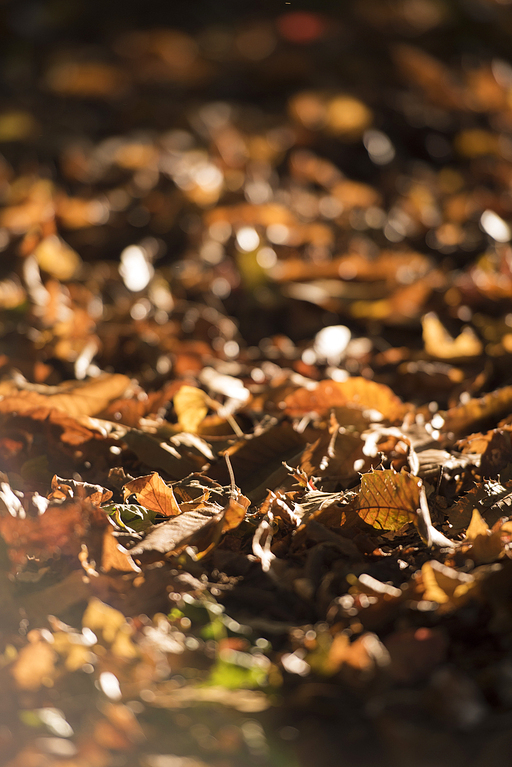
x=130, y=516
x=234, y=676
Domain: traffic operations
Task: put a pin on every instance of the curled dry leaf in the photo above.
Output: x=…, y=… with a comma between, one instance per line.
x=152, y=492
x=201, y=527
x=71, y=488
x=465, y=418
x=198, y=528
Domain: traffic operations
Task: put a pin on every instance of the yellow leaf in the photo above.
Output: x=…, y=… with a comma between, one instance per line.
x=57, y=258
x=439, y=343
x=477, y=526
x=191, y=408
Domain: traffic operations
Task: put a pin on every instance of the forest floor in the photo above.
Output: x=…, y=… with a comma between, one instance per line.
x=256, y=385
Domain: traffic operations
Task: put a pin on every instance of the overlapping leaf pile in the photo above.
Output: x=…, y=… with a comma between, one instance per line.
x=255, y=392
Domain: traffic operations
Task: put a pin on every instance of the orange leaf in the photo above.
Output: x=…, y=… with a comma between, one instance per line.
x=75, y=399
x=388, y=500
x=355, y=392
x=152, y=493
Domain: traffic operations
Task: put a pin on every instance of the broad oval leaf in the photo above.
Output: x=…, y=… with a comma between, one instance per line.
x=388, y=500
x=356, y=392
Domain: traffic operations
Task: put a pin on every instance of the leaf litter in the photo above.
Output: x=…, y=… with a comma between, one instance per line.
x=255, y=396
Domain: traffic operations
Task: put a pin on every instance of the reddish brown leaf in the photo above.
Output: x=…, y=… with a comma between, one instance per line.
x=70, y=488
x=59, y=531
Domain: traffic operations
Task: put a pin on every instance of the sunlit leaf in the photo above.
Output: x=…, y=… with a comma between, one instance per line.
x=357, y=392
x=388, y=500
x=74, y=398
x=152, y=493
x=190, y=406
x=439, y=343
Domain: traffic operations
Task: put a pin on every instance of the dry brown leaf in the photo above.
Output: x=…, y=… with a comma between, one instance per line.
x=152, y=493
x=197, y=528
x=114, y=557
x=234, y=512
x=465, y=418
x=74, y=398
x=335, y=453
x=355, y=392
x=70, y=488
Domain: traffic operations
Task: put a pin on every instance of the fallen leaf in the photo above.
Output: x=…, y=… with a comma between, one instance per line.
x=439, y=343
x=114, y=556
x=191, y=528
x=152, y=492
x=355, y=392
x=388, y=500
x=191, y=407
x=35, y=664
x=74, y=398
